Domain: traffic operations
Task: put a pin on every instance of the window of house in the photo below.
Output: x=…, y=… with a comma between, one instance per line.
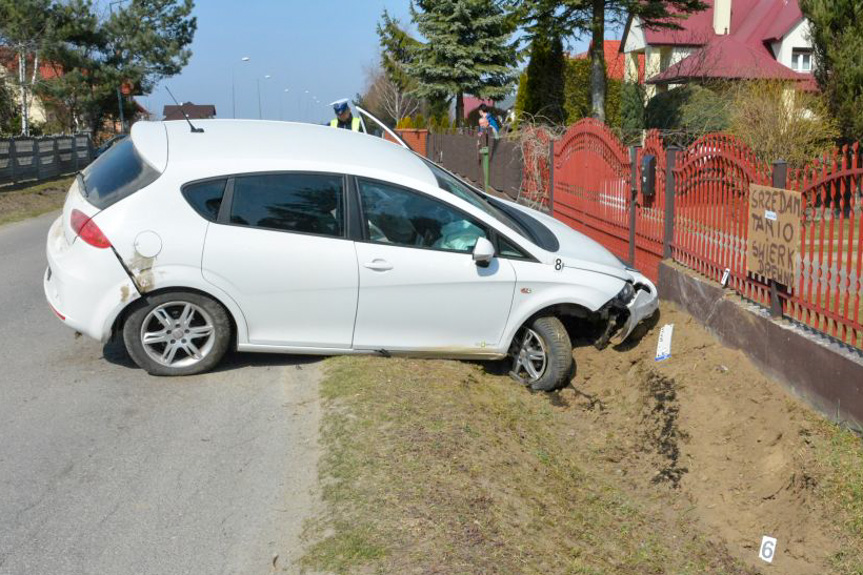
x=398, y=216
x=801, y=60
x=304, y=203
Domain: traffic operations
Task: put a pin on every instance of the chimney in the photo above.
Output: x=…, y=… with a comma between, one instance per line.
x=721, y=16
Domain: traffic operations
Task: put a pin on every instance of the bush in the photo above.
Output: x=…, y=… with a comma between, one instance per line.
x=631, y=112
x=613, y=101
x=691, y=110
x=577, y=90
x=520, y=97
x=705, y=110
x=778, y=122
x=439, y=124
x=578, y=101
x=665, y=110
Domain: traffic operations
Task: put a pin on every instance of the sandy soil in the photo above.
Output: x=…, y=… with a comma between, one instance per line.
x=729, y=446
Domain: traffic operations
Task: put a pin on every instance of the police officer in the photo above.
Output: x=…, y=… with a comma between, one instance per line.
x=344, y=118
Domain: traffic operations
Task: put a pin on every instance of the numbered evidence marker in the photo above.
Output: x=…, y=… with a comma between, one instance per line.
x=663, y=348
x=768, y=549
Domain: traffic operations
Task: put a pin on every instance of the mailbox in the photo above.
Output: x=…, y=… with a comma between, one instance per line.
x=648, y=175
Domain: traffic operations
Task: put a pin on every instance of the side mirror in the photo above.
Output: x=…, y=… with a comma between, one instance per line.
x=483, y=252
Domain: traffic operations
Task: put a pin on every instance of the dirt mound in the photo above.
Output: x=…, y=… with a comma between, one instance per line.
x=726, y=446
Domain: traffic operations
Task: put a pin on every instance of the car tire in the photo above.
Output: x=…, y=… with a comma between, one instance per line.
x=177, y=333
x=544, y=336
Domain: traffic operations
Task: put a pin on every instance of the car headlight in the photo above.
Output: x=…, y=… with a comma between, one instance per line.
x=625, y=295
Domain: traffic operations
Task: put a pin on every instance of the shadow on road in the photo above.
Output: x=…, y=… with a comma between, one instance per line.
x=114, y=352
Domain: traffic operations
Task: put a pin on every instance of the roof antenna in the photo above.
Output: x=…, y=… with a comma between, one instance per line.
x=185, y=115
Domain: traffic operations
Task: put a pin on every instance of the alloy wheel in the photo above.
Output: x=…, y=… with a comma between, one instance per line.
x=530, y=357
x=178, y=334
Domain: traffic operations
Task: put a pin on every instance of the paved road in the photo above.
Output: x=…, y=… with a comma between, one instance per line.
x=106, y=470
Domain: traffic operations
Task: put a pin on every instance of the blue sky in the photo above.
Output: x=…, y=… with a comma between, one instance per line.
x=322, y=47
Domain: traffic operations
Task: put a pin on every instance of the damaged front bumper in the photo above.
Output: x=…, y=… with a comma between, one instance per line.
x=636, y=302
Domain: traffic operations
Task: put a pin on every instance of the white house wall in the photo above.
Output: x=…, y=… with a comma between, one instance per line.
x=37, y=110
x=635, y=41
x=798, y=37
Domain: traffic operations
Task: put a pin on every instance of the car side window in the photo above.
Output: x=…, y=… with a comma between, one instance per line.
x=394, y=215
x=305, y=203
x=509, y=250
x=206, y=197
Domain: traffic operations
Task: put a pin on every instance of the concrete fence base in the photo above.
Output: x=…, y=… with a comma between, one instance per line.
x=825, y=374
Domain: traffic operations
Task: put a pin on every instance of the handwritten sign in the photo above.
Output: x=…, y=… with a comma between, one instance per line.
x=774, y=233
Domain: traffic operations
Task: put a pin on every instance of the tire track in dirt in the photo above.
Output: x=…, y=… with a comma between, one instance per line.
x=707, y=435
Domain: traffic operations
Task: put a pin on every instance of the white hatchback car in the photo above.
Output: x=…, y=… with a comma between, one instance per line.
x=295, y=238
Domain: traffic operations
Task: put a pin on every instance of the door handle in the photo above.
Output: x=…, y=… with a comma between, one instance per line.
x=379, y=265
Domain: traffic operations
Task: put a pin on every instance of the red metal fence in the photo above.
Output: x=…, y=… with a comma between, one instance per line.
x=698, y=216
x=592, y=179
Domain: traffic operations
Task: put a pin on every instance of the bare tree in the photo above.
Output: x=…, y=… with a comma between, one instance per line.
x=395, y=102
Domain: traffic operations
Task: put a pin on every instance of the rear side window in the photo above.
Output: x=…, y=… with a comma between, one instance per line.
x=305, y=203
x=117, y=174
x=206, y=197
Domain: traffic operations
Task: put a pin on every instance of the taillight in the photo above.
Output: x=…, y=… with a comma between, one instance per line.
x=87, y=230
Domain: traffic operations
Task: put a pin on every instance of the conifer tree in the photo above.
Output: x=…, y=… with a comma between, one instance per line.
x=469, y=48
x=837, y=33
x=544, y=89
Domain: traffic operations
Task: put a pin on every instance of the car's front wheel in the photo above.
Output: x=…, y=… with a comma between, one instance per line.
x=179, y=333
x=541, y=354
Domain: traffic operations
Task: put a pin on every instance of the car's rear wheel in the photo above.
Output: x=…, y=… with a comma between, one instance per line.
x=178, y=333
x=541, y=354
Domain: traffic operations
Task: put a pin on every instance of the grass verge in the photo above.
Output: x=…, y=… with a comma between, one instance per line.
x=440, y=467
x=840, y=458
x=34, y=201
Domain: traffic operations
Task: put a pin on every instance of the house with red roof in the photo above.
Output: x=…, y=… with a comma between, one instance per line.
x=731, y=39
x=615, y=60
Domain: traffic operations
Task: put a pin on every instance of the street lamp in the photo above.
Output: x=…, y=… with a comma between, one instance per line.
x=281, y=105
x=234, y=85
x=260, y=109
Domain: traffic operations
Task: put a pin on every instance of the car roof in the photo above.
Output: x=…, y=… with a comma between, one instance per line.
x=322, y=148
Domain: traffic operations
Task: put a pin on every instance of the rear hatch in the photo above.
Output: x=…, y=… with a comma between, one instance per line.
x=126, y=167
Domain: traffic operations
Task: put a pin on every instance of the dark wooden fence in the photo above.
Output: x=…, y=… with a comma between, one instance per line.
x=33, y=160
x=460, y=153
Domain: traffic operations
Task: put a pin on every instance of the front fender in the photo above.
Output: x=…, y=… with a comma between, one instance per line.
x=549, y=288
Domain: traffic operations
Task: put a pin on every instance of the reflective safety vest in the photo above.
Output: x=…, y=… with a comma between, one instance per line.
x=355, y=124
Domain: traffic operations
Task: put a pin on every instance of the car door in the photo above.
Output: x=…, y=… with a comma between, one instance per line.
x=419, y=286
x=281, y=251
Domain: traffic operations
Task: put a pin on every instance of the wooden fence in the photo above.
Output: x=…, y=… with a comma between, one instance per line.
x=698, y=216
x=36, y=159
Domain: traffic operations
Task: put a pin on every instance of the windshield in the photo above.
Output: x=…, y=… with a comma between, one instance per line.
x=465, y=191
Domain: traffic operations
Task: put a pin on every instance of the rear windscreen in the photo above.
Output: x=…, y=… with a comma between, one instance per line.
x=117, y=174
